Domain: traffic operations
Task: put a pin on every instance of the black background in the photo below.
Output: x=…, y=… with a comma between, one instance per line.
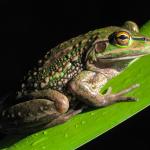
x=27, y=29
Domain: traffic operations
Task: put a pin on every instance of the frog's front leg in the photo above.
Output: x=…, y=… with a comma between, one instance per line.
x=87, y=85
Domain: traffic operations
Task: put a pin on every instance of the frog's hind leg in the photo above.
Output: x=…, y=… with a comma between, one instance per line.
x=32, y=116
x=60, y=119
x=5, y=100
x=64, y=117
x=28, y=116
x=60, y=100
x=86, y=86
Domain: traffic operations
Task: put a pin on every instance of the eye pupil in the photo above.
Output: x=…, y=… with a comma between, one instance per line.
x=123, y=37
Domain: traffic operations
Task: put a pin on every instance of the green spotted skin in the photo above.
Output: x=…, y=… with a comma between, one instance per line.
x=59, y=65
x=63, y=62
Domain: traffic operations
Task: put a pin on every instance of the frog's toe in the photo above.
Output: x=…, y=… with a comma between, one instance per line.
x=64, y=117
x=109, y=90
x=110, y=98
x=127, y=90
x=124, y=98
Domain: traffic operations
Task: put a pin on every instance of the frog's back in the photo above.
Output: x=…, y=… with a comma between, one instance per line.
x=60, y=64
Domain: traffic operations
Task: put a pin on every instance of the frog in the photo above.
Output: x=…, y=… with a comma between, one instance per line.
x=69, y=77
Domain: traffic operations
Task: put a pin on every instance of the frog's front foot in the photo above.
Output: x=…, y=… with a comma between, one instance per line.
x=118, y=97
x=85, y=86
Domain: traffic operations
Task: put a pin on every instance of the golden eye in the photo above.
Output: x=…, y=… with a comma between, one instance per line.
x=120, y=38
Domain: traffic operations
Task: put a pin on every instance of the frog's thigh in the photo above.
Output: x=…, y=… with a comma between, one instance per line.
x=29, y=114
x=60, y=100
x=86, y=86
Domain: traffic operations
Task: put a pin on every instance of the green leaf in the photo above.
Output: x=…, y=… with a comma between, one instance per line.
x=145, y=29
x=88, y=125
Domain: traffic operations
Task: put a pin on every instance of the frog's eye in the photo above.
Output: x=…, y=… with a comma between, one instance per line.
x=120, y=38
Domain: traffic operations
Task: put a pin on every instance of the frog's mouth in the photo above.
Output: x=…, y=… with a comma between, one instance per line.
x=120, y=58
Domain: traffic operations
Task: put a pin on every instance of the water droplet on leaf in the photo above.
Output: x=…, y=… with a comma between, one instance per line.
x=66, y=135
x=92, y=113
x=83, y=122
x=76, y=126
x=43, y=147
x=45, y=132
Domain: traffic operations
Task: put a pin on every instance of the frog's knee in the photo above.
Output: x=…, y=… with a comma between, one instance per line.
x=60, y=100
x=62, y=106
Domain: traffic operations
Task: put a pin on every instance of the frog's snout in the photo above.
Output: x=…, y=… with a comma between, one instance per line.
x=146, y=39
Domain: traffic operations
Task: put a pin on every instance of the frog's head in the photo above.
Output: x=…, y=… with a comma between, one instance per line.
x=119, y=44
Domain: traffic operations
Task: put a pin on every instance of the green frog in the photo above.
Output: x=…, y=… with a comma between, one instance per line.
x=70, y=74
